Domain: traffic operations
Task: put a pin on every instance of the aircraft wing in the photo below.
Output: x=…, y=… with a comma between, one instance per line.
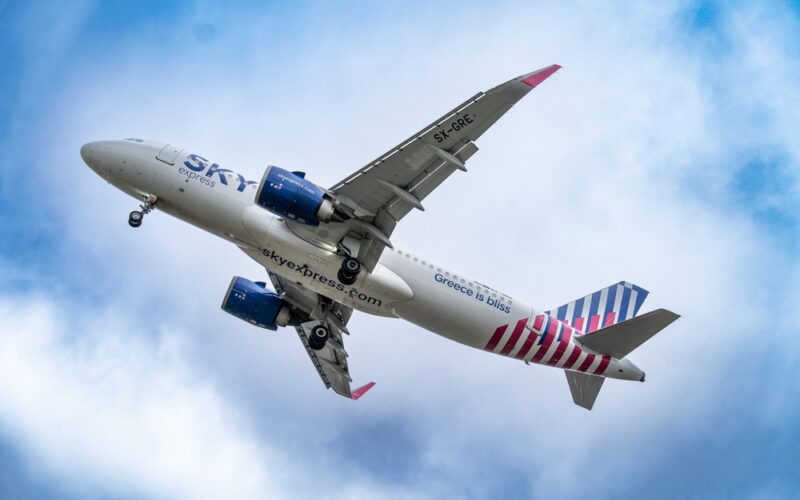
x=381, y=193
x=330, y=361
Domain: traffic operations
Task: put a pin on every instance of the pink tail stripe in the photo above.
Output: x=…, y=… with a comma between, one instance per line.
x=527, y=345
x=537, y=322
x=593, y=322
x=562, y=346
x=579, y=324
x=498, y=334
x=512, y=342
x=586, y=362
x=573, y=357
x=609, y=319
x=548, y=339
x=603, y=365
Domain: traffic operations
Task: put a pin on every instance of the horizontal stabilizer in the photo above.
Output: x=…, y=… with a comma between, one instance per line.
x=584, y=388
x=620, y=339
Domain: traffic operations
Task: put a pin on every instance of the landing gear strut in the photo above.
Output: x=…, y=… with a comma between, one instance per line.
x=135, y=218
x=318, y=337
x=349, y=271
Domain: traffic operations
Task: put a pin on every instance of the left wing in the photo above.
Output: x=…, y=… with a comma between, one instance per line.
x=381, y=193
x=331, y=360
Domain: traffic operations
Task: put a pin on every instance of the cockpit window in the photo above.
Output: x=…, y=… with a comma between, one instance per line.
x=134, y=139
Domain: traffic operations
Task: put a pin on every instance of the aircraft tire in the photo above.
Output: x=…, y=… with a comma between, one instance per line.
x=348, y=273
x=135, y=218
x=318, y=337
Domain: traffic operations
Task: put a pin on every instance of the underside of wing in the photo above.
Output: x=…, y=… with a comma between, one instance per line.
x=381, y=193
x=330, y=361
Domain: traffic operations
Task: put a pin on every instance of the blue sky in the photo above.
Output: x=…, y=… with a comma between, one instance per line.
x=664, y=153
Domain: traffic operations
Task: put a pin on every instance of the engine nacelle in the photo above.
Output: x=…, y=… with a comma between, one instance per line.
x=253, y=303
x=290, y=195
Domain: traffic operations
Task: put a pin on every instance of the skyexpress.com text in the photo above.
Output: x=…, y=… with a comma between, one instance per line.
x=308, y=273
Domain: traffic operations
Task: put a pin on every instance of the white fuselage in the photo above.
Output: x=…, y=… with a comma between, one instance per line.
x=401, y=285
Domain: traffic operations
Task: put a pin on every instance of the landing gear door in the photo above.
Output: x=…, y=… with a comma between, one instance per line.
x=168, y=154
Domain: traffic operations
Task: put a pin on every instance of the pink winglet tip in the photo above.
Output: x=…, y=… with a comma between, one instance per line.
x=537, y=77
x=361, y=391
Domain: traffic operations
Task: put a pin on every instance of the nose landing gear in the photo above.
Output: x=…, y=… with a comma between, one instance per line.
x=349, y=271
x=135, y=218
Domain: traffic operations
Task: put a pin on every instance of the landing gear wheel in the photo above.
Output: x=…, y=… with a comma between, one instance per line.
x=135, y=218
x=349, y=271
x=318, y=337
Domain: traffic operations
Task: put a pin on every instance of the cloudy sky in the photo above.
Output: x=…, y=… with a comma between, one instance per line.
x=665, y=153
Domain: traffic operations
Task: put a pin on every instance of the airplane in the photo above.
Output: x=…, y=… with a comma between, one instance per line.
x=328, y=252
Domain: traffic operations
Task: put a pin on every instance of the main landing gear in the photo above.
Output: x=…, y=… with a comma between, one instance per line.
x=135, y=218
x=318, y=337
x=349, y=271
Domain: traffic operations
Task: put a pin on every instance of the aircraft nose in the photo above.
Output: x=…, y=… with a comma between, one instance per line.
x=96, y=153
x=86, y=152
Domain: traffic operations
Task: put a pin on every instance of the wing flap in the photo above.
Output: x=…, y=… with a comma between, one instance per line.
x=330, y=361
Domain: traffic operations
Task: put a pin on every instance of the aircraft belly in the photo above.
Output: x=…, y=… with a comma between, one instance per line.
x=314, y=268
x=465, y=314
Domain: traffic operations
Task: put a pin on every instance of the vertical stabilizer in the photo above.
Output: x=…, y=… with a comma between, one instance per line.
x=584, y=388
x=603, y=308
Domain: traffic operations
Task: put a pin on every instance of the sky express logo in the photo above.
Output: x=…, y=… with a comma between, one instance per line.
x=194, y=166
x=315, y=276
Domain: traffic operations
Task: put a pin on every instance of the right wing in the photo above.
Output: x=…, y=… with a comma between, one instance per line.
x=330, y=361
x=382, y=192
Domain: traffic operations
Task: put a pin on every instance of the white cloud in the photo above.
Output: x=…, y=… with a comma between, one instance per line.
x=101, y=407
x=582, y=184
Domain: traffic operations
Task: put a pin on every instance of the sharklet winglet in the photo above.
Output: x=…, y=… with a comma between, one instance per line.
x=537, y=77
x=361, y=391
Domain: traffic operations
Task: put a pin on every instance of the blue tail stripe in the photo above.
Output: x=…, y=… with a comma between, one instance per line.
x=578, y=309
x=623, y=305
x=593, y=306
x=562, y=312
x=639, y=300
x=544, y=330
x=612, y=295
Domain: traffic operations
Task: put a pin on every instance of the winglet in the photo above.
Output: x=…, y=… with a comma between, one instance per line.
x=538, y=76
x=361, y=391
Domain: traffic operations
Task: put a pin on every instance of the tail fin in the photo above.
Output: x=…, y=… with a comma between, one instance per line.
x=584, y=388
x=603, y=308
x=620, y=339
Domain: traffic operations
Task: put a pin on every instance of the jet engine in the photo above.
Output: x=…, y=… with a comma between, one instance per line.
x=290, y=195
x=253, y=303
